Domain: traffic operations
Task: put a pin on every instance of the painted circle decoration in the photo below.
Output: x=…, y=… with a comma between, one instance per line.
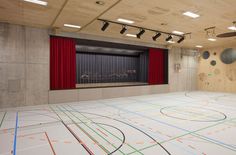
x=205, y=54
x=213, y=62
x=192, y=113
x=228, y=56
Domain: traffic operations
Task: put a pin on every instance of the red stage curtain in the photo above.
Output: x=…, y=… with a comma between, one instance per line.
x=156, y=66
x=62, y=63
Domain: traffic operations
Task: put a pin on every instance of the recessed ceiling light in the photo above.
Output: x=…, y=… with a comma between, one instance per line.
x=72, y=26
x=171, y=41
x=199, y=46
x=178, y=32
x=232, y=28
x=100, y=2
x=131, y=35
x=211, y=39
x=125, y=21
x=37, y=2
x=191, y=14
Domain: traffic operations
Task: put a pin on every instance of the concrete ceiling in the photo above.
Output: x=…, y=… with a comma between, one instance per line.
x=163, y=15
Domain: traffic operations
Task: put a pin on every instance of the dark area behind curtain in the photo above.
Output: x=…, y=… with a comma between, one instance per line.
x=103, y=68
x=62, y=63
x=143, y=67
x=158, y=66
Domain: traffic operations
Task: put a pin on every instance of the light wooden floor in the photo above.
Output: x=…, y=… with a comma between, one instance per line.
x=192, y=123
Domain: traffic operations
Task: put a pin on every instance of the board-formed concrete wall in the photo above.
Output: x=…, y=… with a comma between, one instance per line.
x=24, y=71
x=221, y=77
x=24, y=65
x=186, y=78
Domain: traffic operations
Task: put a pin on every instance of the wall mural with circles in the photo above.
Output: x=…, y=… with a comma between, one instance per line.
x=205, y=54
x=217, y=70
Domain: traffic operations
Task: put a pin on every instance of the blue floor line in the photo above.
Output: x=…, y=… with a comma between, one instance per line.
x=15, y=135
x=213, y=140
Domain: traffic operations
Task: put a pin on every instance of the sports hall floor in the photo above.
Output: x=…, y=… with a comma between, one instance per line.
x=183, y=123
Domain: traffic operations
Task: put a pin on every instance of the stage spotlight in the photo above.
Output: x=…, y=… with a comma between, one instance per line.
x=122, y=31
x=169, y=38
x=142, y=31
x=105, y=25
x=180, y=40
x=156, y=36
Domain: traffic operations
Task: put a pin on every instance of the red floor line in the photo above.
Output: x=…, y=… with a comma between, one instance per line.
x=80, y=141
x=54, y=153
x=102, y=132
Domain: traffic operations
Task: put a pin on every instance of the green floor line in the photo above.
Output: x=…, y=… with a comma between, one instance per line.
x=196, y=130
x=3, y=119
x=191, y=133
x=136, y=150
x=147, y=147
x=81, y=129
x=90, y=129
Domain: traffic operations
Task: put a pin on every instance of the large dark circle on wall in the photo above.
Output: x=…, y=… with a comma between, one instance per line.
x=205, y=55
x=228, y=56
x=213, y=62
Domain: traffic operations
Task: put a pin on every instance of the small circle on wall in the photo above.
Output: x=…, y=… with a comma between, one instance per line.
x=214, y=53
x=213, y=62
x=205, y=54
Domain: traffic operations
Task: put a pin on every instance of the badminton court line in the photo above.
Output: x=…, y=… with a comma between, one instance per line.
x=54, y=153
x=90, y=129
x=135, y=150
x=170, y=125
x=15, y=135
x=74, y=135
x=3, y=118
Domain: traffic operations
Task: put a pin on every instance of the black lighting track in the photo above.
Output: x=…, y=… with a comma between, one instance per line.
x=138, y=27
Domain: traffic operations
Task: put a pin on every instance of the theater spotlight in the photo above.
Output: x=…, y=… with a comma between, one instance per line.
x=142, y=31
x=156, y=36
x=180, y=40
x=169, y=38
x=105, y=25
x=122, y=31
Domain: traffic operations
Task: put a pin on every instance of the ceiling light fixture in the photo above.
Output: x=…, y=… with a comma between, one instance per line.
x=181, y=39
x=211, y=39
x=156, y=36
x=169, y=38
x=39, y=2
x=122, y=31
x=72, y=26
x=142, y=31
x=100, y=2
x=105, y=25
x=125, y=21
x=171, y=41
x=178, y=32
x=199, y=46
x=131, y=35
x=191, y=14
x=232, y=28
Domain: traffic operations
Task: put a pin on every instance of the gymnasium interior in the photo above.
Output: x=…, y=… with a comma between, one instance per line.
x=117, y=77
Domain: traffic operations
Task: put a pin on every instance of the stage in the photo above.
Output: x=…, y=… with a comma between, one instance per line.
x=111, y=84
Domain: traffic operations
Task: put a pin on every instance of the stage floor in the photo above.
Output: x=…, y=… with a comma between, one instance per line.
x=192, y=123
x=111, y=84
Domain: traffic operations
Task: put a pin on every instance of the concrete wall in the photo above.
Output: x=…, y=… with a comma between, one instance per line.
x=221, y=77
x=24, y=66
x=186, y=78
x=24, y=72
x=75, y=95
